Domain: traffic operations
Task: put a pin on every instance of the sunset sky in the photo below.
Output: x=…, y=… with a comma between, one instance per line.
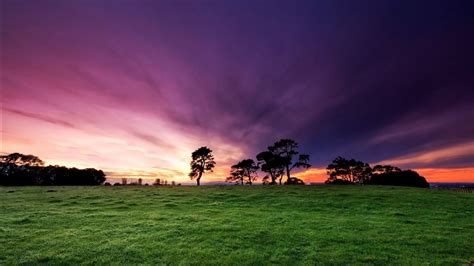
x=133, y=87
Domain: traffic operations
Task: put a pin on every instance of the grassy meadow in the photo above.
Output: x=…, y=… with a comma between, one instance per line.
x=235, y=225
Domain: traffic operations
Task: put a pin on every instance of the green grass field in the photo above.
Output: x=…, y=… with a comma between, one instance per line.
x=235, y=225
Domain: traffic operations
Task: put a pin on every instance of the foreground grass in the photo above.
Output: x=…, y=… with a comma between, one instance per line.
x=235, y=225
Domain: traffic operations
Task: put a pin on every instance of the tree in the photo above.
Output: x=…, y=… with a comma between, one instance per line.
x=273, y=165
x=399, y=178
x=288, y=149
x=21, y=159
x=202, y=161
x=383, y=169
x=243, y=171
x=349, y=170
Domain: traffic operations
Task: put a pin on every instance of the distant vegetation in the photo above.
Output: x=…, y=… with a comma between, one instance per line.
x=283, y=156
x=17, y=169
x=139, y=182
x=344, y=171
x=277, y=164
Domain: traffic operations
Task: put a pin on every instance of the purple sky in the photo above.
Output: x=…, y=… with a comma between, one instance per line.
x=133, y=87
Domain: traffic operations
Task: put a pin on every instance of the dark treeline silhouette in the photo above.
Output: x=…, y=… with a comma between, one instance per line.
x=343, y=171
x=276, y=162
x=139, y=182
x=17, y=169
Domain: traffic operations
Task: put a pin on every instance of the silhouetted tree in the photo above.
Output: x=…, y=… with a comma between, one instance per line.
x=18, y=175
x=157, y=182
x=140, y=181
x=273, y=165
x=202, y=161
x=19, y=170
x=21, y=159
x=236, y=176
x=243, y=171
x=124, y=181
x=288, y=150
x=399, y=178
x=383, y=169
x=349, y=170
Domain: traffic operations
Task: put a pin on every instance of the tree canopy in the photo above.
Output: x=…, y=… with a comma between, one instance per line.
x=343, y=171
x=244, y=171
x=21, y=159
x=287, y=150
x=25, y=170
x=349, y=170
x=399, y=178
x=273, y=165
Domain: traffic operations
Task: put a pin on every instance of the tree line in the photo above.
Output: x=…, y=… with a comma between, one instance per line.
x=139, y=182
x=277, y=163
x=343, y=171
x=283, y=156
x=18, y=169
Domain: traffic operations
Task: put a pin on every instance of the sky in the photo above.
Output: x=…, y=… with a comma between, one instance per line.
x=133, y=87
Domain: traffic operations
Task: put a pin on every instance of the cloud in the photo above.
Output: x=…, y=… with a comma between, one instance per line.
x=341, y=80
x=43, y=118
x=434, y=156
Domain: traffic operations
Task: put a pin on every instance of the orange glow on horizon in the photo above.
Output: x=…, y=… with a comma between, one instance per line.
x=447, y=174
x=319, y=175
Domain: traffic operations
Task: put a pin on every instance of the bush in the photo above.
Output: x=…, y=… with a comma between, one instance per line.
x=407, y=178
x=294, y=181
x=339, y=182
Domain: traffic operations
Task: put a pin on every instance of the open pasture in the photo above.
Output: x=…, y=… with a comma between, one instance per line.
x=235, y=225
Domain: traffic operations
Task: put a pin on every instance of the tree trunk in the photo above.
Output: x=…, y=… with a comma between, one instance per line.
x=198, y=180
x=274, y=181
x=288, y=173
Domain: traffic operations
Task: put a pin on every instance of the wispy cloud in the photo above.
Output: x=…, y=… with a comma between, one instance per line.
x=43, y=118
x=431, y=156
x=146, y=91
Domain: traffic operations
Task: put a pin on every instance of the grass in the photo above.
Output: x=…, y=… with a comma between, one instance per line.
x=235, y=225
